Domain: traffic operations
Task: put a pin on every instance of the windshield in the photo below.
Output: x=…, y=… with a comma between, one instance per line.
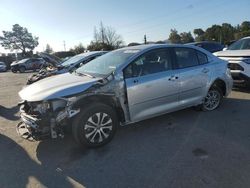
x=243, y=44
x=107, y=63
x=72, y=60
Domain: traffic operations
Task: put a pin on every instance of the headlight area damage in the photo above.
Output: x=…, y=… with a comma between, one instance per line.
x=41, y=120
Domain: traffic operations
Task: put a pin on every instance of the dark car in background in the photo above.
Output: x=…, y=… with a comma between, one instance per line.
x=209, y=46
x=62, y=67
x=27, y=64
x=3, y=67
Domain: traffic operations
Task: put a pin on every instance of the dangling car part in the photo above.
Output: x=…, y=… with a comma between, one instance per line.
x=55, y=67
x=122, y=87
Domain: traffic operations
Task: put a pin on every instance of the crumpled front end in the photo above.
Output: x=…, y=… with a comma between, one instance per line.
x=46, y=119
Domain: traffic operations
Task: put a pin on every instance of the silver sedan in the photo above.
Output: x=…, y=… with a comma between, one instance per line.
x=122, y=87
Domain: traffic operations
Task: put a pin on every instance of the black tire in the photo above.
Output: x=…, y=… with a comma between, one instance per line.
x=217, y=101
x=13, y=70
x=248, y=85
x=82, y=126
x=22, y=69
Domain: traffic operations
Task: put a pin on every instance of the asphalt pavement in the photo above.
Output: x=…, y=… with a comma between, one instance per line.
x=181, y=149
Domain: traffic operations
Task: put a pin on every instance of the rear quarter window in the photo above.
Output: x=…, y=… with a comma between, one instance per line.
x=202, y=58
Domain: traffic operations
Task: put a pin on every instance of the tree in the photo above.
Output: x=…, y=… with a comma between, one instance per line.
x=48, y=49
x=19, y=39
x=174, y=37
x=199, y=34
x=105, y=38
x=227, y=33
x=214, y=33
x=245, y=26
x=186, y=37
x=78, y=49
x=242, y=30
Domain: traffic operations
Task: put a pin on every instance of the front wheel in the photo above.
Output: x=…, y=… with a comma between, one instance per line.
x=213, y=99
x=95, y=125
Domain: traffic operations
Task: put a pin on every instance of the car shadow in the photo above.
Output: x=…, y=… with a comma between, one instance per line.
x=17, y=167
x=133, y=151
x=9, y=113
x=141, y=152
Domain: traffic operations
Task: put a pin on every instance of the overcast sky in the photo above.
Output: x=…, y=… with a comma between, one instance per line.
x=73, y=21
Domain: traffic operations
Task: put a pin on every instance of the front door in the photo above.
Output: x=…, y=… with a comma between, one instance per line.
x=151, y=83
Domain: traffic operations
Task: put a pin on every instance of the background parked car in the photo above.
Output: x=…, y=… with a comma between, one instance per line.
x=209, y=46
x=67, y=66
x=27, y=64
x=238, y=55
x=3, y=67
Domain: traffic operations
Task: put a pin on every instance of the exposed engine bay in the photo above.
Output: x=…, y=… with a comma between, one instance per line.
x=41, y=120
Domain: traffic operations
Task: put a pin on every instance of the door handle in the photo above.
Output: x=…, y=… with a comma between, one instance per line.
x=173, y=78
x=205, y=70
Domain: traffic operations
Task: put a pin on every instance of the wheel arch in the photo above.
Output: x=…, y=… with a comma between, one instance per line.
x=109, y=100
x=220, y=83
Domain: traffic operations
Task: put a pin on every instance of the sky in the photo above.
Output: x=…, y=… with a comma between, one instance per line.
x=73, y=21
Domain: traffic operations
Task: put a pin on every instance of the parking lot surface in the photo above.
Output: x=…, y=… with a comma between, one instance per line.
x=181, y=149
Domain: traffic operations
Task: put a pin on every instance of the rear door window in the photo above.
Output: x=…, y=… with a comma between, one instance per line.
x=185, y=57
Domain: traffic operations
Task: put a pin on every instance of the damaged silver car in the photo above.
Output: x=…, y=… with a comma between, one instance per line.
x=122, y=87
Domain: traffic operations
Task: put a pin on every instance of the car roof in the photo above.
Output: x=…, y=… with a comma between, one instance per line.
x=203, y=42
x=146, y=47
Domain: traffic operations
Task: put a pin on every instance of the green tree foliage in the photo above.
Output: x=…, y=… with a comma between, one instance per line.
x=242, y=30
x=105, y=38
x=224, y=33
x=48, y=49
x=186, y=37
x=199, y=34
x=19, y=39
x=213, y=33
x=78, y=49
x=174, y=37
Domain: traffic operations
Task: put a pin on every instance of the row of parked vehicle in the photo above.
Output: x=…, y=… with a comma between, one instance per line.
x=122, y=87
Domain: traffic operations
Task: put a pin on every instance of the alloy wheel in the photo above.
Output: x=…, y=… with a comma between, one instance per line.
x=212, y=100
x=98, y=127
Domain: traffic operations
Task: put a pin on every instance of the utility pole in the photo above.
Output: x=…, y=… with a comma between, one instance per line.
x=64, y=45
x=145, y=39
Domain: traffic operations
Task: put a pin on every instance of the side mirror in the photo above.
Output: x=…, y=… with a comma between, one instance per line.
x=224, y=49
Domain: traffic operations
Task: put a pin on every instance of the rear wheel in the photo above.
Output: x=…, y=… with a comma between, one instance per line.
x=95, y=125
x=213, y=99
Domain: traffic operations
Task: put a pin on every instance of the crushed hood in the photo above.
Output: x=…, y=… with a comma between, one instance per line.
x=54, y=60
x=233, y=53
x=56, y=87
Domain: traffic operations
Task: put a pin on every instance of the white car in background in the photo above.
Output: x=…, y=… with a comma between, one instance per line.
x=238, y=56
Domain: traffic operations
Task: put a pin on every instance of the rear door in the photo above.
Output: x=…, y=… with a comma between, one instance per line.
x=151, y=85
x=194, y=74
